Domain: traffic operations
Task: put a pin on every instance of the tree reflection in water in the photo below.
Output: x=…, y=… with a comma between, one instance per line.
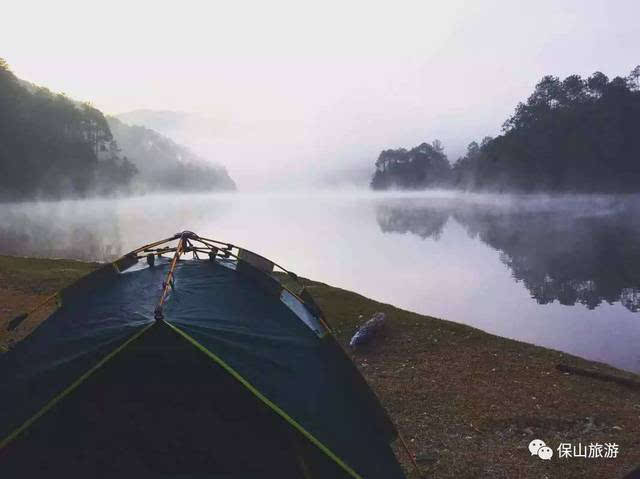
x=579, y=250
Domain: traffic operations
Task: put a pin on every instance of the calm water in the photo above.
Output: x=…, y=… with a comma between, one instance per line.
x=562, y=272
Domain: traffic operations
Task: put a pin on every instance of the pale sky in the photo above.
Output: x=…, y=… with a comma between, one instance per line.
x=298, y=88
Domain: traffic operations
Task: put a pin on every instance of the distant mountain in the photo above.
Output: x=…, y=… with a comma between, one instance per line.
x=54, y=147
x=182, y=127
x=164, y=164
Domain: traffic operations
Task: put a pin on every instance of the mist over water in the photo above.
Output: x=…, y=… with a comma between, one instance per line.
x=562, y=272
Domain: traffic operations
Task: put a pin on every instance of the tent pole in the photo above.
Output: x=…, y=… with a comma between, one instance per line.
x=151, y=245
x=158, y=313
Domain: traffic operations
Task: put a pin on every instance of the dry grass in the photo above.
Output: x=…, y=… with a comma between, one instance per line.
x=468, y=403
x=26, y=282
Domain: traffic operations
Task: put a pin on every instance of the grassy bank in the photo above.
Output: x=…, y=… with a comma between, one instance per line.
x=468, y=403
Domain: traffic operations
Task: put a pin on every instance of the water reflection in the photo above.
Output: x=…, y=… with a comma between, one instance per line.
x=427, y=221
x=576, y=250
x=566, y=251
x=57, y=230
x=102, y=229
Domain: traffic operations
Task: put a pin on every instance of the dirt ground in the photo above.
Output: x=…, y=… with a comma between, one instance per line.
x=467, y=403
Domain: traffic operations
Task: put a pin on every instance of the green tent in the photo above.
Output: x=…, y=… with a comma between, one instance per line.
x=199, y=368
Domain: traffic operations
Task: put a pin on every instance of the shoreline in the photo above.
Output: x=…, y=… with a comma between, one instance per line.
x=467, y=402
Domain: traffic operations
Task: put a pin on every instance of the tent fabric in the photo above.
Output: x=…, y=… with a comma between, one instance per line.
x=266, y=343
x=97, y=314
x=300, y=380
x=171, y=424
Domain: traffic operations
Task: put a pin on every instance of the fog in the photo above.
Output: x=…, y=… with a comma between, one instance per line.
x=297, y=93
x=558, y=271
x=297, y=100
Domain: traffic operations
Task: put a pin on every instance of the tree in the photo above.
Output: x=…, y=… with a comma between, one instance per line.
x=425, y=166
x=597, y=83
x=570, y=135
x=49, y=146
x=633, y=79
x=573, y=88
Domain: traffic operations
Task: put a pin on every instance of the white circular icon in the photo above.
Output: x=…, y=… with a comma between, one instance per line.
x=545, y=453
x=535, y=445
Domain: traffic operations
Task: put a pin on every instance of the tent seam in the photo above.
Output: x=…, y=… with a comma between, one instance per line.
x=266, y=400
x=56, y=399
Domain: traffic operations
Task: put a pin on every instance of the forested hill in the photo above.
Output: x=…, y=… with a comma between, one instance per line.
x=165, y=165
x=52, y=147
x=571, y=135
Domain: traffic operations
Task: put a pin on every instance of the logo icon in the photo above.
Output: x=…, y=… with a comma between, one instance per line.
x=545, y=453
x=537, y=447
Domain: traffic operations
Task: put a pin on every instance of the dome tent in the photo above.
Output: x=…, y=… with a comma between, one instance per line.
x=204, y=368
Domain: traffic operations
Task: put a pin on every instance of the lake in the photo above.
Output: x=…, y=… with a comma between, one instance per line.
x=561, y=272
